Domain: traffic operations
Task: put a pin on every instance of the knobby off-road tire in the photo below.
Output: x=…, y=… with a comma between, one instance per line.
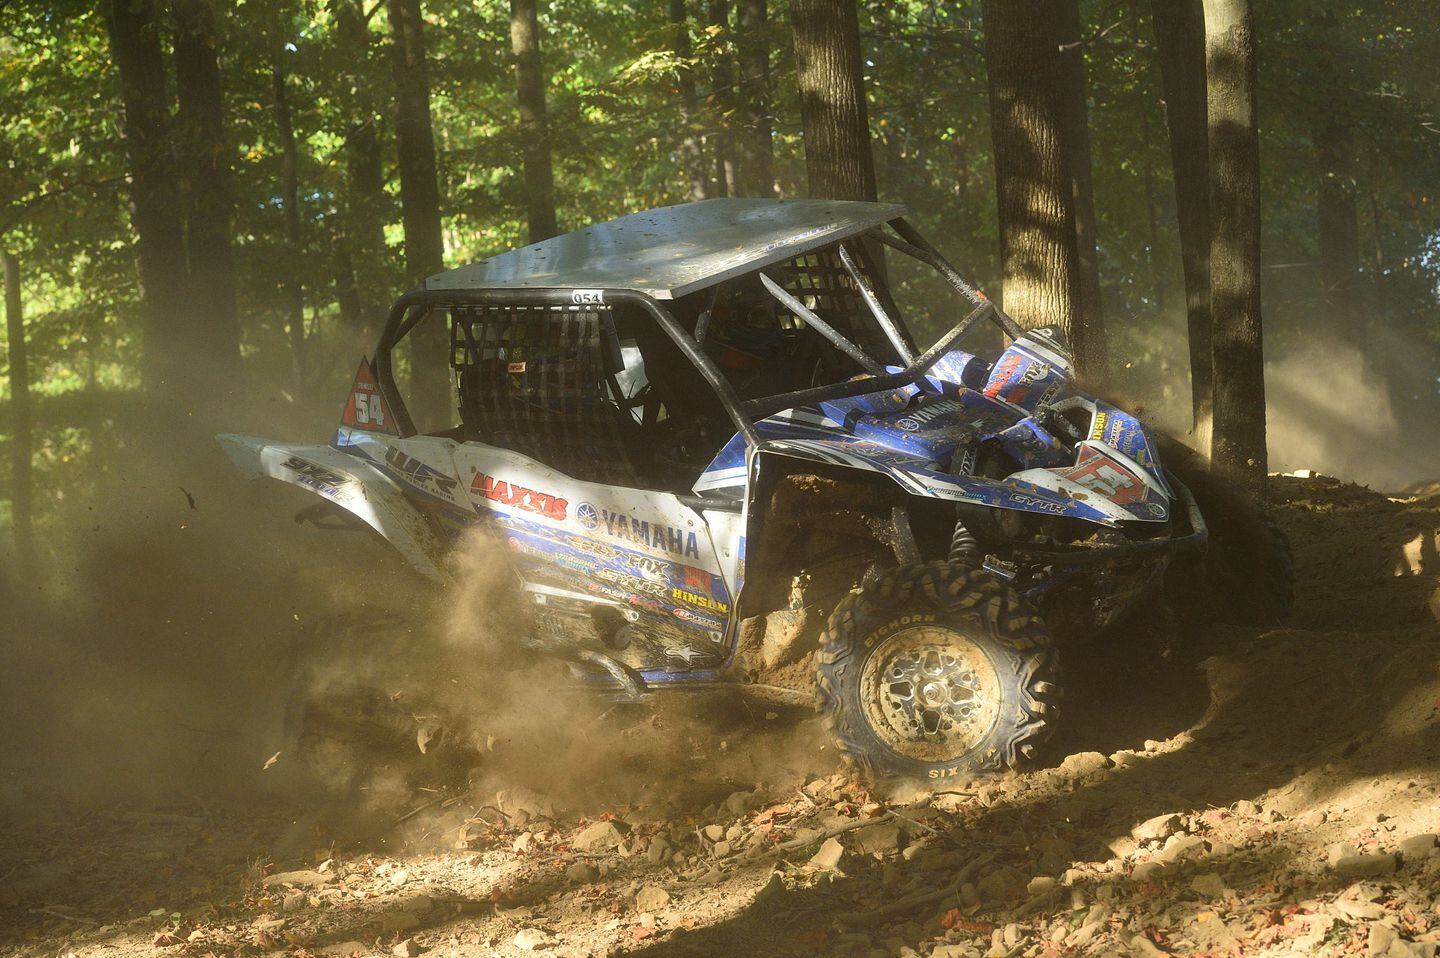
x=937, y=670
x=1247, y=576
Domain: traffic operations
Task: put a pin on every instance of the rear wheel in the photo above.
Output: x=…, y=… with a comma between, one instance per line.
x=936, y=670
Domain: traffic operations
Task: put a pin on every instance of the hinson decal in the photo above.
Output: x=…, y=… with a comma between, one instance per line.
x=699, y=601
x=511, y=494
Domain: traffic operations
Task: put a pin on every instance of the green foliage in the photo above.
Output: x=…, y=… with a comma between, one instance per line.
x=616, y=130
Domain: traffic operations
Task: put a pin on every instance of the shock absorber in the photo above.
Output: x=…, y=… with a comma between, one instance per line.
x=964, y=547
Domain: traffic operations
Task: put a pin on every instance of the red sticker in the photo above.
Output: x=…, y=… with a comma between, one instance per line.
x=366, y=408
x=515, y=367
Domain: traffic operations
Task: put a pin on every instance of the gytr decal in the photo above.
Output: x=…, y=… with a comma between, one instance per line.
x=657, y=536
x=1035, y=502
x=510, y=494
x=420, y=474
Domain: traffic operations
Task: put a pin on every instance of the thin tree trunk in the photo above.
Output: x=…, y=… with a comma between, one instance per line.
x=420, y=204
x=21, y=441
x=214, y=322
x=692, y=158
x=1238, y=441
x=156, y=210
x=756, y=154
x=360, y=249
x=1343, y=312
x=838, y=161
x=290, y=197
x=722, y=100
x=1033, y=184
x=1152, y=217
x=1180, y=40
x=1382, y=312
x=534, y=131
x=1088, y=334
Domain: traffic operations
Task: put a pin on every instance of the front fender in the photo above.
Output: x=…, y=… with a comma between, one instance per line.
x=353, y=485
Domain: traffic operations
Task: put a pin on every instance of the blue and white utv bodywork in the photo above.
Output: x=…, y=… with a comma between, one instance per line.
x=622, y=441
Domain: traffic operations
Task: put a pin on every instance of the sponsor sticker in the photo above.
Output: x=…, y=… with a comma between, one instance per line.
x=699, y=601
x=317, y=477
x=511, y=494
x=366, y=407
x=657, y=535
x=420, y=475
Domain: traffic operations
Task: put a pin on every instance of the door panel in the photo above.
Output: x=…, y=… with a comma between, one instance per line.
x=588, y=552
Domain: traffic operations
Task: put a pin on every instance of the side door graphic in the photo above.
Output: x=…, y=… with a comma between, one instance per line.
x=634, y=569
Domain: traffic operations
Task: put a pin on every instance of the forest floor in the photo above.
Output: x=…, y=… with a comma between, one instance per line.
x=1223, y=792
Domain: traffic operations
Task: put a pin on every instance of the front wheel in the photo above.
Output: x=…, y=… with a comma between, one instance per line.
x=936, y=670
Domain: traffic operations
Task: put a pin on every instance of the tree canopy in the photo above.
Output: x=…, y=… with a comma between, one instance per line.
x=309, y=90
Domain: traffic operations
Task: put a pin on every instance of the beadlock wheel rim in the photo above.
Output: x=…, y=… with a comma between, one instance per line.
x=930, y=693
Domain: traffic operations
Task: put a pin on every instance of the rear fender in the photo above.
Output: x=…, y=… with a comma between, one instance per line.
x=350, y=483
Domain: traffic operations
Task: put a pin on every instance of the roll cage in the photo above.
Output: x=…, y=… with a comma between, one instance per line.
x=412, y=308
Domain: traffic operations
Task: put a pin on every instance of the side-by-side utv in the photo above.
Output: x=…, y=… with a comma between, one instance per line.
x=712, y=453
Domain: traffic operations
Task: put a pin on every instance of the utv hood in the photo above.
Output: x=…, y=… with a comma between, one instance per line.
x=928, y=446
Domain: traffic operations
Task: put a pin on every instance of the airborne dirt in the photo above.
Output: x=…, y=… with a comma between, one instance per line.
x=1214, y=791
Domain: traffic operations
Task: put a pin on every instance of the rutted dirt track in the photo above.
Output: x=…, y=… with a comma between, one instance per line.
x=1215, y=791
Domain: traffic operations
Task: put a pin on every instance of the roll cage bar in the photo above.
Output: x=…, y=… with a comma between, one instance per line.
x=412, y=307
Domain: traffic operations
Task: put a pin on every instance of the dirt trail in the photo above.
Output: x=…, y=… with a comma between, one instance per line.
x=1216, y=791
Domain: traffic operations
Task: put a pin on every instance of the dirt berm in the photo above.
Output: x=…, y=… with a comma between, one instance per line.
x=1216, y=791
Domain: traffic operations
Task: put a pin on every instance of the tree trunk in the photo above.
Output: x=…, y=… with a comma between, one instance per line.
x=1238, y=441
x=1033, y=184
x=21, y=440
x=833, y=114
x=1088, y=334
x=1158, y=280
x=214, y=317
x=419, y=205
x=534, y=131
x=361, y=251
x=1180, y=41
x=154, y=194
x=753, y=146
x=722, y=100
x=1344, y=313
x=1377, y=288
x=290, y=197
x=692, y=158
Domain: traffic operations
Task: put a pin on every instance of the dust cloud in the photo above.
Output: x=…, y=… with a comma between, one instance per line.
x=453, y=674
x=1329, y=410
x=220, y=653
x=1331, y=407
x=149, y=660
